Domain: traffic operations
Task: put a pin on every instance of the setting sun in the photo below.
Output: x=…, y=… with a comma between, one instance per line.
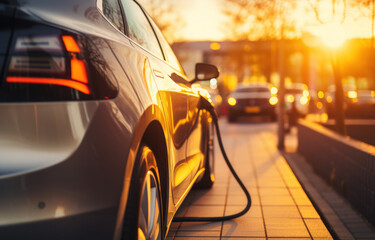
x=332, y=35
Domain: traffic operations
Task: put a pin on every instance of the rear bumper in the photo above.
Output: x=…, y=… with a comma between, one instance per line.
x=93, y=225
x=259, y=110
x=71, y=197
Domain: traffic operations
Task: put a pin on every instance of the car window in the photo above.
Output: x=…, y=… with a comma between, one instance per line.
x=139, y=27
x=111, y=9
x=169, y=54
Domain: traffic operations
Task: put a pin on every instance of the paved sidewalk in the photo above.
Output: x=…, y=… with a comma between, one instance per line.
x=339, y=215
x=280, y=207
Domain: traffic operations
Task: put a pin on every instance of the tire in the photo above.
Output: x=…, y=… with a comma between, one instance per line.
x=208, y=178
x=143, y=215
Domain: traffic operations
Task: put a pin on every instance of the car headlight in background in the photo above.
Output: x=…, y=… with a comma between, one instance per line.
x=273, y=100
x=305, y=93
x=232, y=101
x=290, y=98
x=352, y=94
x=329, y=99
x=303, y=100
x=274, y=90
x=320, y=94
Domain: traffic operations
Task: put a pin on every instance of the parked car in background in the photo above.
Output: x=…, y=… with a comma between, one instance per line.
x=252, y=99
x=357, y=103
x=297, y=94
x=100, y=132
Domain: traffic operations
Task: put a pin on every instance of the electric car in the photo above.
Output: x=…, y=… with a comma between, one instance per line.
x=101, y=134
x=252, y=99
x=357, y=103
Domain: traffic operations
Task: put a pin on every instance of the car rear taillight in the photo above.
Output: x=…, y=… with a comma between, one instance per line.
x=49, y=60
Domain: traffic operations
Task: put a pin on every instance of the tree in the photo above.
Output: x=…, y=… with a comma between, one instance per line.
x=165, y=16
x=318, y=5
x=260, y=19
x=338, y=15
x=264, y=20
x=341, y=8
x=369, y=5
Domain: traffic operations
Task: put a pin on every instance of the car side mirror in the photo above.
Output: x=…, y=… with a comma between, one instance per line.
x=205, y=71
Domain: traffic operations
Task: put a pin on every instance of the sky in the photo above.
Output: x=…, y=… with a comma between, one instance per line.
x=204, y=20
x=202, y=17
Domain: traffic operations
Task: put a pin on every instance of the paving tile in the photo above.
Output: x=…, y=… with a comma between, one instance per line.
x=241, y=227
x=277, y=200
x=208, y=200
x=240, y=200
x=198, y=234
x=290, y=179
x=300, y=197
x=317, y=228
x=271, y=182
x=196, y=238
x=201, y=226
x=204, y=211
x=280, y=212
x=277, y=197
x=248, y=181
x=286, y=227
x=327, y=238
x=219, y=189
x=294, y=238
x=235, y=189
x=308, y=212
x=273, y=191
x=267, y=170
x=254, y=212
x=242, y=238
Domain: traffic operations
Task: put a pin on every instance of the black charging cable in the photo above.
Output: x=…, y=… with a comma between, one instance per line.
x=205, y=104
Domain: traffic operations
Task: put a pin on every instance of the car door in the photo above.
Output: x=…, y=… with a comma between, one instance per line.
x=195, y=150
x=171, y=94
x=194, y=130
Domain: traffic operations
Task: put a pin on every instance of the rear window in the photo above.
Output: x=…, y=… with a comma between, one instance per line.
x=111, y=9
x=140, y=29
x=250, y=90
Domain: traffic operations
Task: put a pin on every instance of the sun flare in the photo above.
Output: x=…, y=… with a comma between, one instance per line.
x=332, y=35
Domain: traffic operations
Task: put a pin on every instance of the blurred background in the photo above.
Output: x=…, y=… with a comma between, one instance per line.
x=306, y=43
x=289, y=60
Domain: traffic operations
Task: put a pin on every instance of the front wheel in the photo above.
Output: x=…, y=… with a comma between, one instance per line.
x=143, y=218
